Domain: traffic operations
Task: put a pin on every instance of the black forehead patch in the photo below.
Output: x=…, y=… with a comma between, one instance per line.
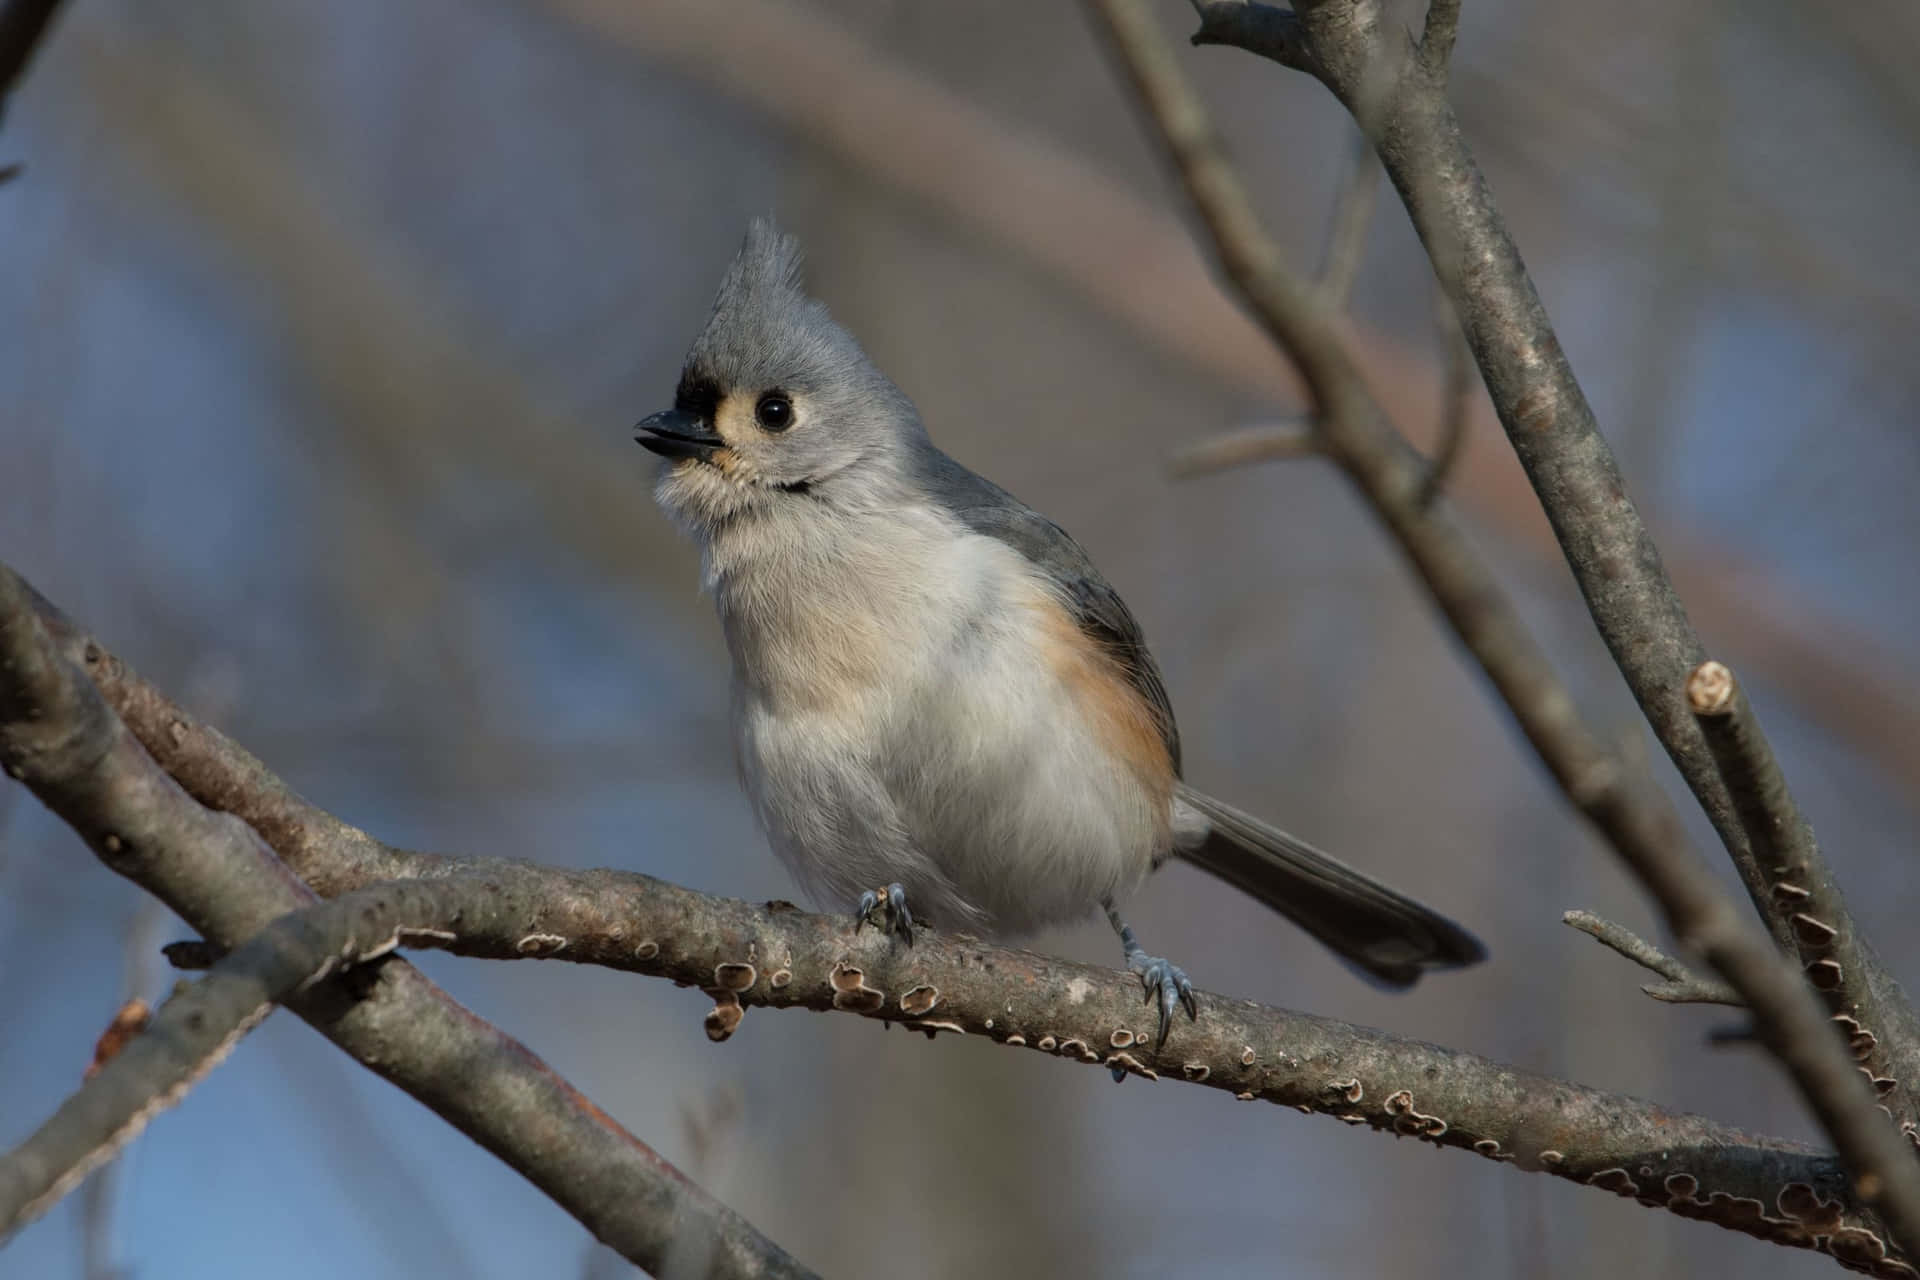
x=697, y=394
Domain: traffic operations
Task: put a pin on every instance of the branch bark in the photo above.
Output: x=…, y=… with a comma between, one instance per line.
x=1635, y=819
x=1800, y=882
x=58, y=736
x=745, y=955
x=1552, y=428
x=141, y=1070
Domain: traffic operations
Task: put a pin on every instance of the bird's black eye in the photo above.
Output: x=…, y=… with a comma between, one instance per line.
x=774, y=412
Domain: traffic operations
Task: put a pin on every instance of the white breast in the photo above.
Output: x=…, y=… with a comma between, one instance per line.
x=915, y=716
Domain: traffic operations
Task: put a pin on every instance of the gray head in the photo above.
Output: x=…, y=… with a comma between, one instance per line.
x=776, y=403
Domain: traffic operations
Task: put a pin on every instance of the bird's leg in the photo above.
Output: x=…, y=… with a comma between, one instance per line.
x=891, y=905
x=1158, y=978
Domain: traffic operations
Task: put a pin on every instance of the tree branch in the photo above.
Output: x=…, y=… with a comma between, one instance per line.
x=1347, y=228
x=145, y=1066
x=1636, y=820
x=1451, y=439
x=1682, y=985
x=1572, y=470
x=1436, y=42
x=775, y=956
x=1799, y=880
x=1246, y=446
x=58, y=736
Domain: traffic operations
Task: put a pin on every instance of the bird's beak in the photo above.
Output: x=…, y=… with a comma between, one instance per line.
x=673, y=434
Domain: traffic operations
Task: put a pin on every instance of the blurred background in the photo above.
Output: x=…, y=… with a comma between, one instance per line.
x=322, y=329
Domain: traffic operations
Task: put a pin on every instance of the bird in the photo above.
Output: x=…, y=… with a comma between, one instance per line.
x=939, y=706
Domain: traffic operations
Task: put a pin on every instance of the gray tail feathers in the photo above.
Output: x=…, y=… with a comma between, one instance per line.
x=1388, y=937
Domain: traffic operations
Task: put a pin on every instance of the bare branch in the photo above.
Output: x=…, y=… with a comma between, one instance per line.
x=745, y=955
x=1436, y=43
x=1573, y=471
x=1347, y=229
x=1264, y=29
x=1682, y=985
x=1780, y=836
x=1800, y=881
x=1452, y=438
x=1638, y=823
x=1296, y=439
x=143, y=1067
x=58, y=736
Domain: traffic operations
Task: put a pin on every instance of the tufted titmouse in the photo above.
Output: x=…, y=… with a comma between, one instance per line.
x=937, y=699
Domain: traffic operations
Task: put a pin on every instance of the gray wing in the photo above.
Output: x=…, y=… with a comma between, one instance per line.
x=991, y=511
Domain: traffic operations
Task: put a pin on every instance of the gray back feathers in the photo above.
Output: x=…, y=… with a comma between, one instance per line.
x=1097, y=608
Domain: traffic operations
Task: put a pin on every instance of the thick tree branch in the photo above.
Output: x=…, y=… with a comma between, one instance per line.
x=58, y=736
x=1554, y=433
x=1635, y=819
x=745, y=955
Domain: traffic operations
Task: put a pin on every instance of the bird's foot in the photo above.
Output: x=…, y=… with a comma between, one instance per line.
x=1167, y=984
x=1162, y=980
x=890, y=904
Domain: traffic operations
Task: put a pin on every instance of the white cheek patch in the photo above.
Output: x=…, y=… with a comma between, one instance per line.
x=734, y=421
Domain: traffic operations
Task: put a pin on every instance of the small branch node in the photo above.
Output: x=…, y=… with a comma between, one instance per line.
x=1436, y=42
x=1682, y=985
x=1711, y=688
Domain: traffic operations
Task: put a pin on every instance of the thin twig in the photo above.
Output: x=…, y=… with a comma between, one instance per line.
x=1452, y=438
x=1436, y=42
x=1296, y=439
x=1799, y=879
x=1638, y=823
x=1682, y=985
x=101, y=1196
x=58, y=736
x=1347, y=229
x=1782, y=838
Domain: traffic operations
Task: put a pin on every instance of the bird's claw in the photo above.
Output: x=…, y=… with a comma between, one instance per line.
x=891, y=905
x=1168, y=982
